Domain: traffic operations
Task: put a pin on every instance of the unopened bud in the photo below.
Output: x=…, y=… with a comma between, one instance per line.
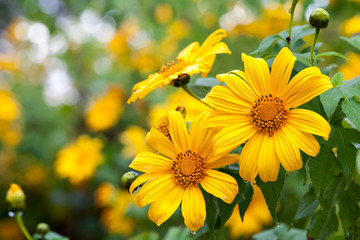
x=42, y=228
x=181, y=80
x=15, y=197
x=319, y=18
x=182, y=110
x=128, y=178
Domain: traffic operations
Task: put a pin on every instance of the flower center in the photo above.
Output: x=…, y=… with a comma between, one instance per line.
x=173, y=67
x=163, y=126
x=188, y=168
x=269, y=113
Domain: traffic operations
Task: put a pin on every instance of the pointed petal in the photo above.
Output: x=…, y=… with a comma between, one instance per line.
x=193, y=208
x=141, y=179
x=257, y=74
x=309, y=122
x=222, y=118
x=143, y=88
x=268, y=163
x=233, y=136
x=306, y=85
x=190, y=49
x=161, y=143
x=221, y=185
x=178, y=131
x=166, y=205
x=287, y=150
x=199, y=131
x=150, y=162
x=281, y=71
x=221, y=161
x=249, y=157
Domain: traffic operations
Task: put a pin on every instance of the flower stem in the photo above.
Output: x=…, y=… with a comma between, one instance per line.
x=292, y=10
x=187, y=89
x=19, y=220
x=313, y=46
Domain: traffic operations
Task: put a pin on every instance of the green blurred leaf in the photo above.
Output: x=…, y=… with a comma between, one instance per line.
x=330, y=54
x=337, y=79
x=351, y=108
x=202, y=86
x=353, y=41
x=146, y=236
x=272, y=192
x=308, y=204
x=265, y=47
x=245, y=199
x=282, y=232
x=179, y=233
x=49, y=236
x=304, y=58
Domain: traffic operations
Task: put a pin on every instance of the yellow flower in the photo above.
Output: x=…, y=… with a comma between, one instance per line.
x=105, y=112
x=257, y=215
x=351, y=68
x=78, y=160
x=351, y=26
x=255, y=107
x=105, y=194
x=173, y=177
x=193, y=59
x=163, y=13
x=15, y=197
x=114, y=218
x=133, y=140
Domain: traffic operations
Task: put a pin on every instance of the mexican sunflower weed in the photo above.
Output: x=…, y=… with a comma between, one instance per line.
x=173, y=176
x=191, y=60
x=260, y=108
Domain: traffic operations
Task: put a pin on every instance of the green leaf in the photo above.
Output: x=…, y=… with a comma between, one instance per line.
x=49, y=236
x=202, y=86
x=265, y=47
x=353, y=41
x=304, y=58
x=349, y=211
x=325, y=221
x=146, y=236
x=330, y=54
x=330, y=100
x=351, y=108
x=272, y=192
x=211, y=210
x=179, y=233
x=337, y=79
x=307, y=206
x=297, y=32
x=245, y=199
x=282, y=232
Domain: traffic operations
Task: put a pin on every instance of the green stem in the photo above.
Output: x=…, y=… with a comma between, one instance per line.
x=187, y=89
x=313, y=46
x=292, y=10
x=19, y=220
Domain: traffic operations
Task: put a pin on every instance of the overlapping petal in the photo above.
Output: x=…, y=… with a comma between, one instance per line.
x=178, y=131
x=222, y=160
x=150, y=162
x=161, y=143
x=141, y=179
x=199, y=132
x=193, y=208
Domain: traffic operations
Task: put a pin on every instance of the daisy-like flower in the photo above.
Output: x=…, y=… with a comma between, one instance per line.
x=257, y=107
x=174, y=177
x=191, y=60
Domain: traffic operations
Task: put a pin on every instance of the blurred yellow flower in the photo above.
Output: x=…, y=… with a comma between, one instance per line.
x=193, y=59
x=105, y=195
x=35, y=175
x=351, y=26
x=78, y=161
x=9, y=61
x=163, y=13
x=173, y=176
x=114, y=218
x=9, y=230
x=133, y=139
x=351, y=68
x=260, y=109
x=257, y=215
x=105, y=111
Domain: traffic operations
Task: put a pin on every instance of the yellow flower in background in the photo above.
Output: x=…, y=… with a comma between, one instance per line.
x=105, y=111
x=193, y=59
x=78, y=161
x=351, y=68
x=254, y=108
x=351, y=26
x=133, y=139
x=9, y=61
x=105, y=195
x=173, y=177
x=257, y=215
x=163, y=13
x=114, y=218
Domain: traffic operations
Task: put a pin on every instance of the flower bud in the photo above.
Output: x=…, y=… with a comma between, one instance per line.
x=128, y=178
x=15, y=197
x=182, y=110
x=319, y=18
x=163, y=126
x=181, y=80
x=42, y=228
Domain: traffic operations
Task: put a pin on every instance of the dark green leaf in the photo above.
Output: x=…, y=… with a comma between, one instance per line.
x=353, y=41
x=308, y=204
x=351, y=108
x=329, y=54
x=245, y=199
x=282, y=232
x=211, y=210
x=330, y=100
x=272, y=192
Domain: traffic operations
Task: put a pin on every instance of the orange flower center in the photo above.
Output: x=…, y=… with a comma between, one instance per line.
x=269, y=114
x=163, y=126
x=188, y=168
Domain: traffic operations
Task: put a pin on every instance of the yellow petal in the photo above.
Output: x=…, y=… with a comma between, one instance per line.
x=220, y=161
x=220, y=185
x=287, y=150
x=248, y=163
x=199, y=132
x=223, y=98
x=166, y=205
x=193, y=208
x=281, y=71
x=178, y=131
x=222, y=118
x=239, y=87
x=306, y=85
x=306, y=141
x=150, y=162
x=143, y=88
x=153, y=190
x=161, y=143
x=186, y=52
x=309, y=122
x=233, y=136
x=268, y=163
x=141, y=179
x=257, y=74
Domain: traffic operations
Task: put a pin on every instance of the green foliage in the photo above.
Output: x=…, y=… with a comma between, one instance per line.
x=281, y=232
x=353, y=41
x=49, y=236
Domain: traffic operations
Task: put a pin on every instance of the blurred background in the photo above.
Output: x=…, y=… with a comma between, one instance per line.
x=66, y=70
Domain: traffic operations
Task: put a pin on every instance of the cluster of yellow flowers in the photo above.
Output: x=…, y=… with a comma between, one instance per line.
x=256, y=107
